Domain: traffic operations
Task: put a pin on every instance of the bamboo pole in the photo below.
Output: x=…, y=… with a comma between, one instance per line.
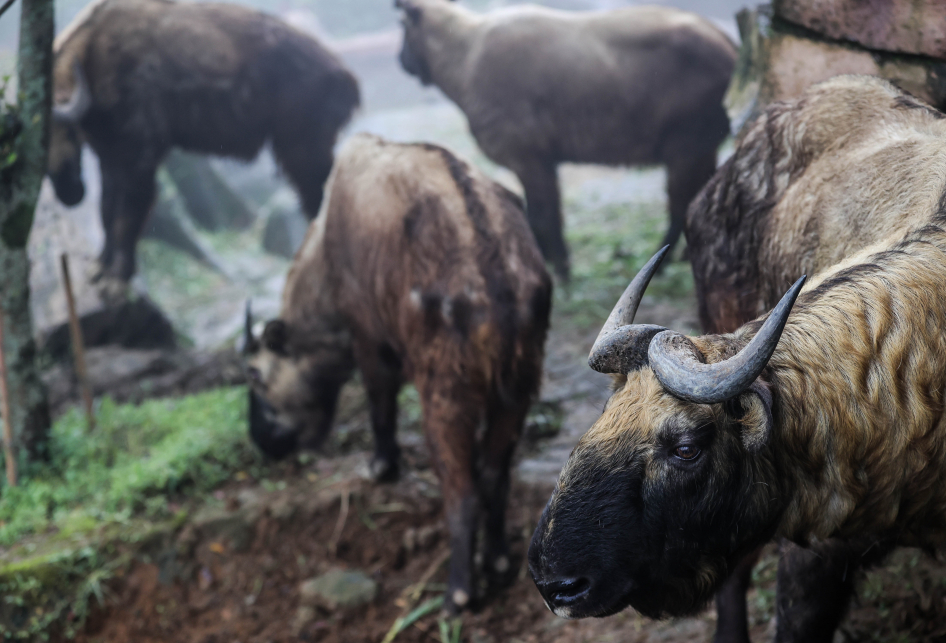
x=78, y=348
x=8, y=454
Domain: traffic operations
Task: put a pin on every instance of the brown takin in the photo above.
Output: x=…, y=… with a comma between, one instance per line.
x=418, y=269
x=713, y=445
x=811, y=181
x=134, y=78
x=540, y=87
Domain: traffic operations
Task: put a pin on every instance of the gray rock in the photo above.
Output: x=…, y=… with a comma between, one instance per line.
x=285, y=227
x=338, y=589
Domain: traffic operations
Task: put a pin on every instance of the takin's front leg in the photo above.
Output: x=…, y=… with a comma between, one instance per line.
x=381, y=374
x=503, y=428
x=127, y=197
x=815, y=586
x=450, y=425
x=732, y=619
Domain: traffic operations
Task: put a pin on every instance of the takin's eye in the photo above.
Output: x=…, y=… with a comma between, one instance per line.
x=687, y=452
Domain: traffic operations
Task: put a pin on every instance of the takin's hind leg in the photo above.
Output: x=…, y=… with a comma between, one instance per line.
x=685, y=178
x=503, y=428
x=450, y=420
x=544, y=211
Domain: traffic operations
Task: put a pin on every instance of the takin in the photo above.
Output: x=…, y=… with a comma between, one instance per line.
x=418, y=269
x=711, y=446
x=134, y=78
x=811, y=181
x=539, y=87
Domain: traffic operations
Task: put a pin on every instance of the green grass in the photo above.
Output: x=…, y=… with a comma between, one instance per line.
x=609, y=244
x=137, y=460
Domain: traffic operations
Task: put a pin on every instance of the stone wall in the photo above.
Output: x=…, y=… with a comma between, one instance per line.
x=792, y=44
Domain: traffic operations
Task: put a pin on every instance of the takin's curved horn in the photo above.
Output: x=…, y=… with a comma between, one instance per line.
x=678, y=366
x=80, y=101
x=621, y=346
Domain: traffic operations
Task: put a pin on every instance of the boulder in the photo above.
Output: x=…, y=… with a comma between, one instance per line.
x=779, y=60
x=131, y=321
x=285, y=226
x=901, y=26
x=338, y=589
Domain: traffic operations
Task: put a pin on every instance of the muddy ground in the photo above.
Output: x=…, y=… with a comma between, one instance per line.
x=236, y=577
x=233, y=573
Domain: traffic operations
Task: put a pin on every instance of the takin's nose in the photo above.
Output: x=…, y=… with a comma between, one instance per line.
x=562, y=593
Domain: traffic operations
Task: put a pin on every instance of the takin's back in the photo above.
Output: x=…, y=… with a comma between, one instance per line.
x=851, y=163
x=417, y=246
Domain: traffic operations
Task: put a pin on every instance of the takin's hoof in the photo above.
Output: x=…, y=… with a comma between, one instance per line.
x=382, y=470
x=500, y=572
x=457, y=600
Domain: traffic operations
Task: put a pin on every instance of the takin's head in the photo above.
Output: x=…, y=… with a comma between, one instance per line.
x=295, y=376
x=673, y=483
x=413, y=54
x=64, y=165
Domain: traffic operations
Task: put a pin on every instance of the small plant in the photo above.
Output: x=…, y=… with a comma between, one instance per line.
x=10, y=128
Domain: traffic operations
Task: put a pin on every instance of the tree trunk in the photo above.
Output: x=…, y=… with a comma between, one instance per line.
x=19, y=189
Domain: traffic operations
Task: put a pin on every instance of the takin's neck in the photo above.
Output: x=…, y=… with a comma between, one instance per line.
x=450, y=32
x=860, y=376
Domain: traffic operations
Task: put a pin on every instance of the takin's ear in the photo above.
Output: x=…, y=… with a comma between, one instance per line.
x=753, y=410
x=411, y=10
x=275, y=336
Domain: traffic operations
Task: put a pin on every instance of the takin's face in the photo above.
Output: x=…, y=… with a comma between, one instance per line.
x=413, y=54
x=294, y=386
x=656, y=503
x=64, y=165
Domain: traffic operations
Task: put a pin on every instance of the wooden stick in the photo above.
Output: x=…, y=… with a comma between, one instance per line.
x=78, y=348
x=5, y=411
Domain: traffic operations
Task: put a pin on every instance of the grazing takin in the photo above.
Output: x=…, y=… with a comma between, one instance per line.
x=418, y=269
x=134, y=78
x=811, y=181
x=539, y=87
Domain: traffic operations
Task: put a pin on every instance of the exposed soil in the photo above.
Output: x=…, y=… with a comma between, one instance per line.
x=236, y=577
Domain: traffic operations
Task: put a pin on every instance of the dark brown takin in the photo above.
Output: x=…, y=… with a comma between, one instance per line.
x=418, y=269
x=541, y=87
x=134, y=78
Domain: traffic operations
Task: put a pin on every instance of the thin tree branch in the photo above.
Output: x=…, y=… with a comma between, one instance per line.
x=6, y=5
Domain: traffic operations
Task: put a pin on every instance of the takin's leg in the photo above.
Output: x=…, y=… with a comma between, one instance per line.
x=127, y=197
x=544, y=210
x=732, y=620
x=815, y=586
x=450, y=420
x=686, y=176
x=381, y=374
x=503, y=428
x=307, y=161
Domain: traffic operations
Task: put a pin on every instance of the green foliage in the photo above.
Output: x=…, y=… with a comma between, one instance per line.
x=10, y=128
x=609, y=244
x=137, y=457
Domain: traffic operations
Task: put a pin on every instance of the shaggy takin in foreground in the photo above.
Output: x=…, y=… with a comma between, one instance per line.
x=418, y=269
x=135, y=78
x=710, y=446
x=811, y=181
x=639, y=85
